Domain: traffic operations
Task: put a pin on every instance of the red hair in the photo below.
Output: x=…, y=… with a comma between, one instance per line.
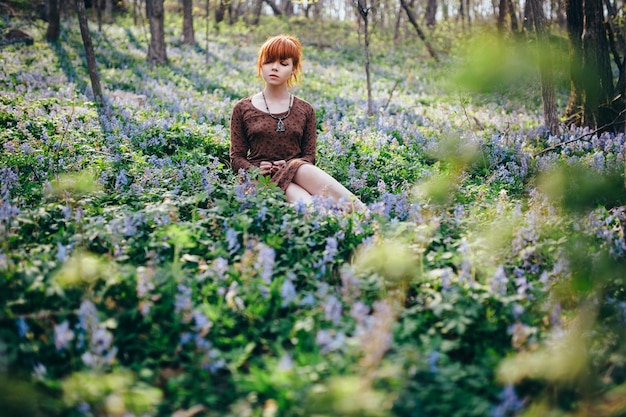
x=278, y=48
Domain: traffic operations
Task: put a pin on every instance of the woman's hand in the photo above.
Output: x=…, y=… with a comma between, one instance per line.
x=278, y=165
x=269, y=168
x=266, y=167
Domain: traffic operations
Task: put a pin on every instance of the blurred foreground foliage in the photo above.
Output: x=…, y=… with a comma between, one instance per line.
x=140, y=276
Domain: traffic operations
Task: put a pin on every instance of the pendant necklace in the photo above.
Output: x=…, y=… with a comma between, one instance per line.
x=280, y=127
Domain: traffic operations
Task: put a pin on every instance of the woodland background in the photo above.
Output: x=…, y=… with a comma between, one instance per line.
x=140, y=276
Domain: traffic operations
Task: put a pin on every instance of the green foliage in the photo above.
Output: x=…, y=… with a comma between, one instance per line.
x=140, y=275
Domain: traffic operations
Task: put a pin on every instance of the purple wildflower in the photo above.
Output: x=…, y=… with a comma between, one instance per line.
x=22, y=326
x=287, y=292
x=333, y=309
x=509, y=404
x=63, y=335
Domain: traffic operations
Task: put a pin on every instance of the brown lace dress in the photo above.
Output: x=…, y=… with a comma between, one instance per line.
x=253, y=138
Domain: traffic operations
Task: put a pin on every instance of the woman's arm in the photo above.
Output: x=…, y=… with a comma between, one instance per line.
x=238, y=142
x=309, y=138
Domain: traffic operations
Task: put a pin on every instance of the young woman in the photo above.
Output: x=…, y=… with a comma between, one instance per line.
x=275, y=131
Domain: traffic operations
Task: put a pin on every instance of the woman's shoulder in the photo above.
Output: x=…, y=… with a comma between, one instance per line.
x=242, y=106
x=303, y=104
x=242, y=102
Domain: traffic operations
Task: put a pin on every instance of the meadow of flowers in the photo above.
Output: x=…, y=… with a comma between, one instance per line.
x=139, y=276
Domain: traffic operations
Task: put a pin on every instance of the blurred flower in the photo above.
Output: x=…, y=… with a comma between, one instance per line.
x=63, y=335
x=498, y=281
x=232, y=299
x=287, y=292
x=333, y=309
x=39, y=371
x=121, y=180
x=202, y=323
x=360, y=312
x=509, y=404
x=22, y=326
x=433, y=357
x=61, y=252
x=329, y=341
x=182, y=301
x=88, y=316
x=220, y=266
x=232, y=240
x=265, y=262
x=285, y=363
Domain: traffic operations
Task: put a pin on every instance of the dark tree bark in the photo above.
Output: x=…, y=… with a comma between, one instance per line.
x=157, y=53
x=220, y=11
x=420, y=33
x=188, y=34
x=551, y=120
x=503, y=11
x=207, y=10
x=592, y=100
x=431, y=13
x=274, y=7
x=98, y=10
x=54, y=21
x=257, y=12
x=396, y=29
x=108, y=11
x=596, y=67
x=513, y=16
x=288, y=9
x=574, y=13
x=91, y=57
x=527, y=23
x=364, y=12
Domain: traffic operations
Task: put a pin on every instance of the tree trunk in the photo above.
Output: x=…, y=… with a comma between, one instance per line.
x=513, y=16
x=419, y=31
x=597, y=75
x=257, y=13
x=108, y=11
x=91, y=57
x=396, y=29
x=274, y=7
x=288, y=9
x=54, y=21
x=462, y=11
x=527, y=23
x=207, y=14
x=157, y=53
x=364, y=11
x=98, y=10
x=220, y=11
x=431, y=13
x=574, y=14
x=550, y=117
x=188, y=34
x=503, y=11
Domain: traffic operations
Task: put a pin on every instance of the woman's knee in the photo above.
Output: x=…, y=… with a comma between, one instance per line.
x=294, y=192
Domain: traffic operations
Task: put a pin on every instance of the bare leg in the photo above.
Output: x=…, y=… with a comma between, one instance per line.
x=294, y=193
x=317, y=182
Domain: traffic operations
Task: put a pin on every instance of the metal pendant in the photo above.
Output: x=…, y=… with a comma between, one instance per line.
x=280, y=127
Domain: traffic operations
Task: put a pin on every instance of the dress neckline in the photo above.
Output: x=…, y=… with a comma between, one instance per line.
x=265, y=112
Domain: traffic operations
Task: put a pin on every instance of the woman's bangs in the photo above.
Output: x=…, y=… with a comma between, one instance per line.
x=280, y=50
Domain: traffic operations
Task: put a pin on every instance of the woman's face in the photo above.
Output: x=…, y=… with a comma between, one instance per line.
x=277, y=72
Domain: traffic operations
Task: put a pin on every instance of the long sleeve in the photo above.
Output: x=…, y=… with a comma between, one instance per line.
x=309, y=138
x=239, y=145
